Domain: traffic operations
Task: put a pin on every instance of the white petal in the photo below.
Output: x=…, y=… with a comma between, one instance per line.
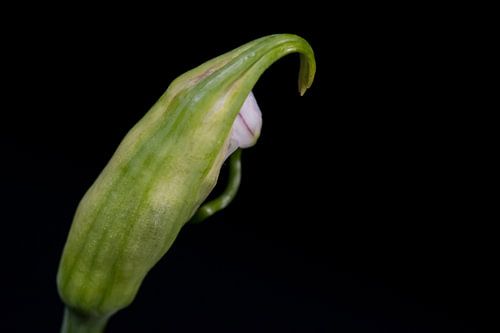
x=246, y=127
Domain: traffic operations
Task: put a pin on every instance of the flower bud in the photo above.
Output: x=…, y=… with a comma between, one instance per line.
x=160, y=174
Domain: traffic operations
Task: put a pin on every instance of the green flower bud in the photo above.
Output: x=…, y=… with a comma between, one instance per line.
x=159, y=176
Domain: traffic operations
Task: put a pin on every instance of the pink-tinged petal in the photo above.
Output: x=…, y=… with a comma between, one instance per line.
x=246, y=127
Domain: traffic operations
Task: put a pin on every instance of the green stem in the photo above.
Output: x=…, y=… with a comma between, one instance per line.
x=75, y=322
x=221, y=202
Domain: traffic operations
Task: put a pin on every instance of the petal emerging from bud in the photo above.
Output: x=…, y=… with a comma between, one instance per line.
x=246, y=127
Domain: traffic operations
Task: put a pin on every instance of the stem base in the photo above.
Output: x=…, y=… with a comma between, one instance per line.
x=75, y=322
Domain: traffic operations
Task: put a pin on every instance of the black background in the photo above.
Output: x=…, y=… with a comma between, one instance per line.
x=364, y=207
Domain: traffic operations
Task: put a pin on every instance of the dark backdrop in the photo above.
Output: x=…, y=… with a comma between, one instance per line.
x=362, y=207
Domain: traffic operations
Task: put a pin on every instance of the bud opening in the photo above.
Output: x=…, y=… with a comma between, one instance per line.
x=246, y=127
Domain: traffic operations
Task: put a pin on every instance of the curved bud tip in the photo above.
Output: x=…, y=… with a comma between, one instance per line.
x=307, y=69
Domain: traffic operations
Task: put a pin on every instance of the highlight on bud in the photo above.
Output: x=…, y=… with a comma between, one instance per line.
x=160, y=176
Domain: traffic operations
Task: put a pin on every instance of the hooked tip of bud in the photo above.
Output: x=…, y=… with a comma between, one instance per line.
x=307, y=71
